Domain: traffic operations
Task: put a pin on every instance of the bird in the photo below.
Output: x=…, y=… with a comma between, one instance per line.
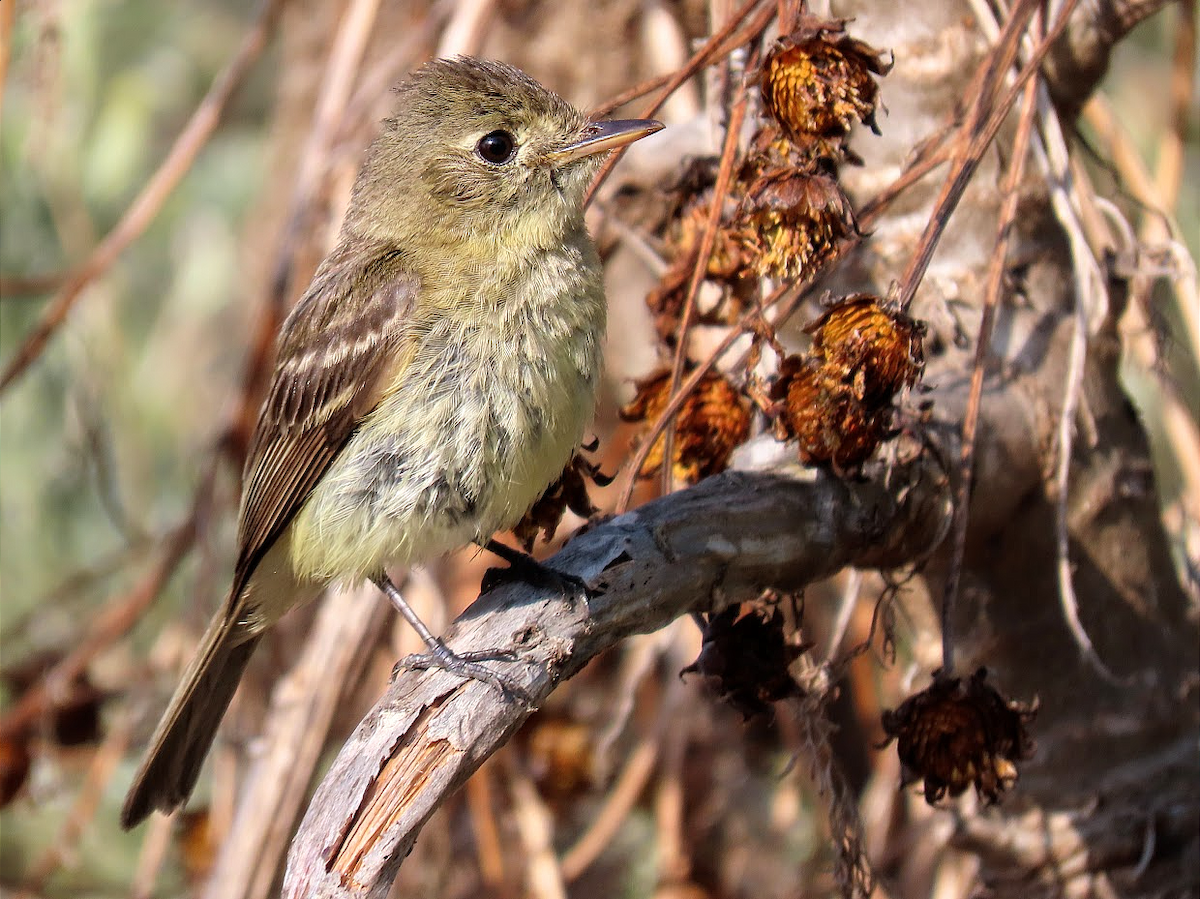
x=429, y=385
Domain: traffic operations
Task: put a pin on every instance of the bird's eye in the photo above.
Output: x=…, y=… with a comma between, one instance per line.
x=497, y=147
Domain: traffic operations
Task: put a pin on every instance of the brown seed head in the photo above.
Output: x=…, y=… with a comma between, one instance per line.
x=821, y=412
x=727, y=260
x=746, y=657
x=960, y=732
x=816, y=82
x=712, y=421
x=792, y=222
x=877, y=350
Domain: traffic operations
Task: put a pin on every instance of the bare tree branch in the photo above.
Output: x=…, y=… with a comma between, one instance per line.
x=699, y=550
x=302, y=707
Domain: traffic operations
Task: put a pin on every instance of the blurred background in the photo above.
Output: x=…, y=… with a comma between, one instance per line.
x=109, y=434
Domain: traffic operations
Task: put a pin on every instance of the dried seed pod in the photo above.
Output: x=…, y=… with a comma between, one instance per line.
x=823, y=415
x=713, y=420
x=876, y=349
x=792, y=222
x=960, y=732
x=726, y=271
x=817, y=82
x=727, y=260
x=570, y=491
x=746, y=659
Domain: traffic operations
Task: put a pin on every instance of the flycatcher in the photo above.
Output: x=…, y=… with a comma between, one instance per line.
x=433, y=380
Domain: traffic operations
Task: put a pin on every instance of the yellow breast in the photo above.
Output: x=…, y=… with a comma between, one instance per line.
x=484, y=416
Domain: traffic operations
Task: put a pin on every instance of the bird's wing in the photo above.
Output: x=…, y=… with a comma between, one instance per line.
x=336, y=356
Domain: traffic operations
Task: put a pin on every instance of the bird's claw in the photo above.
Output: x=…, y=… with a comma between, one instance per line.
x=466, y=665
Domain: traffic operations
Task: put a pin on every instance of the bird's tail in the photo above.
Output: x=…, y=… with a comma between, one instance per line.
x=169, y=771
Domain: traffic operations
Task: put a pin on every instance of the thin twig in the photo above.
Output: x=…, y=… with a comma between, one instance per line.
x=672, y=859
x=156, y=845
x=708, y=240
x=468, y=26
x=621, y=800
x=978, y=131
x=149, y=201
x=968, y=149
x=1068, y=189
x=722, y=42
x=994, y=283
x=489, y=848
x=535, y=826
x=1076, y=359
x=640, y=661
x=636, y=92
x=30, y=287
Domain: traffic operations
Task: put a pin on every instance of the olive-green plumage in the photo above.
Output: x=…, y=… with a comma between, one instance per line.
x=432, y=381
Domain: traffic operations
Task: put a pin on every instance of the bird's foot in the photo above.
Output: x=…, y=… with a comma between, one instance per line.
x=525, y=568
x=441, y=657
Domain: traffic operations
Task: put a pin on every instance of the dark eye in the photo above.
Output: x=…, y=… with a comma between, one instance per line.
x=497, y=147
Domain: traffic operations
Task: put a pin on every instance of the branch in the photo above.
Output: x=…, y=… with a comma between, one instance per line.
x=302, y=707
x=699, y=550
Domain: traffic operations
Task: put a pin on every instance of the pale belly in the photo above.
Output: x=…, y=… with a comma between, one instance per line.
x=462, y=448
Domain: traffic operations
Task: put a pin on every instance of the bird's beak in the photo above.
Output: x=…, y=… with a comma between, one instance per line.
x=602, y=136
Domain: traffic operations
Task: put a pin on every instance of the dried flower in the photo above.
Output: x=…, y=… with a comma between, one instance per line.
x=960, y=732
x=823, y=415
x=727, y=261
x=816, y=82
x=726, y=270
x=878, y=350
x=792, y=221
x=713, y=420
x=746, y=659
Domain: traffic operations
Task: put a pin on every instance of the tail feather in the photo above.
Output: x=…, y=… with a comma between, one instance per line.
x=187, y=729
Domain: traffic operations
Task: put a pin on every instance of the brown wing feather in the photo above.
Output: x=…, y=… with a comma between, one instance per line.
x=337, y=351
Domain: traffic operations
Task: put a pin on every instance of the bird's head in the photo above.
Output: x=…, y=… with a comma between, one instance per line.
x=477, y=151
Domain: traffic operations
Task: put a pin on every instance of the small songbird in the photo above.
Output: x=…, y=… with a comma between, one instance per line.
x=433, y=380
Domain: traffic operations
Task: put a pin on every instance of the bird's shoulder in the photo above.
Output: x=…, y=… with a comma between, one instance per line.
x=333, y=347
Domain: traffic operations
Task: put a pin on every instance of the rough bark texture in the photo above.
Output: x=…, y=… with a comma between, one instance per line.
x=697, y=551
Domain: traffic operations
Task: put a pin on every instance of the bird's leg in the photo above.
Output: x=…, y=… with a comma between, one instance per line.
x=524, y=567
x=442, y=656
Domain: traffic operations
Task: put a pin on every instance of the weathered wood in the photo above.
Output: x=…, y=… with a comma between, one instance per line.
x=695, y=551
